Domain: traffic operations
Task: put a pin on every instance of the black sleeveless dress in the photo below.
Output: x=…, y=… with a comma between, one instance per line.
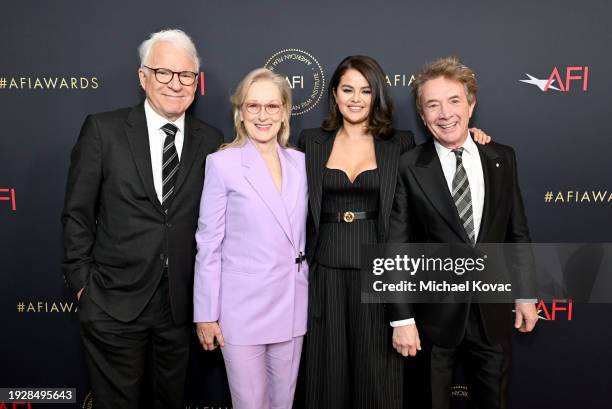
x=349, y=359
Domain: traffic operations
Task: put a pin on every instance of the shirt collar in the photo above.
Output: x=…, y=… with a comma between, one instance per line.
x=468, y=146
x=156, y=121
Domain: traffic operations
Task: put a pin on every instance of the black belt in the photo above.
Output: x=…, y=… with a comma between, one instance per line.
x=347, y=217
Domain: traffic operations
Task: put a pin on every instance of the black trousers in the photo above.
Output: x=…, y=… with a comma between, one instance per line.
x=486, y=368
x=348, y=361
x=117, y=353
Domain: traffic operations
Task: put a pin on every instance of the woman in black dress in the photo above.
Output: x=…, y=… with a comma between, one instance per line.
x=351, y=163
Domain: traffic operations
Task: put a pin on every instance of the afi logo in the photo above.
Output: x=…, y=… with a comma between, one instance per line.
x=556, y=81
x=202, y=88
x=295, y=81
x=557, y=309
x=16, y=405
x=8, y=195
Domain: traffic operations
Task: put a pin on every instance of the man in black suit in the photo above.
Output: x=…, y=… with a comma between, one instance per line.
x=451, y=190
x=129, y=218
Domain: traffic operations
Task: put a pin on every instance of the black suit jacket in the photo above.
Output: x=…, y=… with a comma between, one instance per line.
x=116, y=234
x=317, y=145
x=424, y=212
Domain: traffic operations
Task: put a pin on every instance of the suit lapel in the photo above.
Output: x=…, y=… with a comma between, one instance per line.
x=138, y=139
x=292, y=180
x=492, y=167
x=387, y=156
x=315, y=166
x=258, y=176
x=430, y=177
x=191, y=144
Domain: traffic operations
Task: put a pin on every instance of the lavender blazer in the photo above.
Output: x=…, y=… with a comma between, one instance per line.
x=249, y=236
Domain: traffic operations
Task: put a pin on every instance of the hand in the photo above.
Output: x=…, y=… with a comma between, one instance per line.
x=207, y=332
x=79, y=294
x=526, y=317
x=406, y=340
x=479, y=136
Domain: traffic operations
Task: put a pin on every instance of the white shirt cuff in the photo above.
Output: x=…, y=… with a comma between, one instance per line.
x=401, y=323
x=526, y=301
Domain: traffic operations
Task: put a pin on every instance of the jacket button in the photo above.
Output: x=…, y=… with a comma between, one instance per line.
x=162, y=257
x=169, y=225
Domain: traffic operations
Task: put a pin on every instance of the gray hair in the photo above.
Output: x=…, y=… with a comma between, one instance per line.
x=174, y=36
x=450, y=68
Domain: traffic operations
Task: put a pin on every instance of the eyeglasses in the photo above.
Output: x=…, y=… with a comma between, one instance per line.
x=164, y=76
x=254, y=108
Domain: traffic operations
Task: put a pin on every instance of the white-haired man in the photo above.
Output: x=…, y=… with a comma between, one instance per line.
x=129, y=219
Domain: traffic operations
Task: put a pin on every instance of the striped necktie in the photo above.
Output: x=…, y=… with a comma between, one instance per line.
x=170, y=164
x=463, y=197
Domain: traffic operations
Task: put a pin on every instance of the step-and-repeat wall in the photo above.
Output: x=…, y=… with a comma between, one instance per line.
x=545, y=75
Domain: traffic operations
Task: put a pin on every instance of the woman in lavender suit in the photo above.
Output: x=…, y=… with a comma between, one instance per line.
x=251, y=278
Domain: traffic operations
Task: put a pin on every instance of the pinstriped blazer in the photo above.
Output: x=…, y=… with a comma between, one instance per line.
x=317, y=145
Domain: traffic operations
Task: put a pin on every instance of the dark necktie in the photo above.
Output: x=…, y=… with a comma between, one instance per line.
x=170, y=164
x=463, y=197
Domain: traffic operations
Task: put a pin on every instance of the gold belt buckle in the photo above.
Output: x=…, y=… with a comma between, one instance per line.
x=348, y=217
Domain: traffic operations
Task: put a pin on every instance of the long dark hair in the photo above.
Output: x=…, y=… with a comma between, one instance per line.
x=380, y=118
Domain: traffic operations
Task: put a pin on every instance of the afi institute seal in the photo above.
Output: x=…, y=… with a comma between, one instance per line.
x=304, y=75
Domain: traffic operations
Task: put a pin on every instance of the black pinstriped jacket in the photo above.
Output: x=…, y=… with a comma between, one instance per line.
x=317, y=145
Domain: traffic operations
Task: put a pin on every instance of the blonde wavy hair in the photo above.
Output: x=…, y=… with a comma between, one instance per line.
x=260, y=74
